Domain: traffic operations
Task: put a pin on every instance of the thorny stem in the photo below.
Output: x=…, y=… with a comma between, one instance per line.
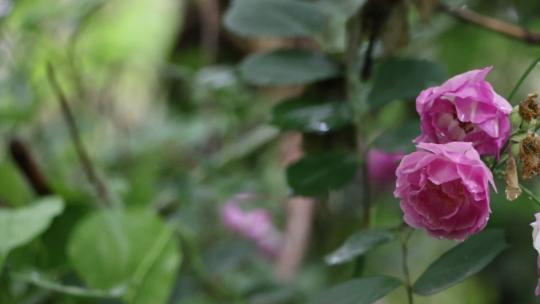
x=526, y=190
x=516, y=87
x=25, y=161
x=87, y=165
x=360, y=107
x=499, y=162
x=197, y=266
x=352, y=62
x=72, y=45
x=523, y=77
x=366, y=214
x=406, y=233
x=531, y=195
x=209, y=15
x=492, y=24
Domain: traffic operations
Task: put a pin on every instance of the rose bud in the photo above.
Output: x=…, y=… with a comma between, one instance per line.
x=511, y=180
x=381, y=166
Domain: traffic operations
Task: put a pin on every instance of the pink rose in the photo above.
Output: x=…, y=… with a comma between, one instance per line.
x=465, y=108
x=536, y=245
x=444, y=188
x=381, y=166
x=255, y=225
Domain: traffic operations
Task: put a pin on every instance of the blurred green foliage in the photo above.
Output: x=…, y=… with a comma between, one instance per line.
x=174, y=133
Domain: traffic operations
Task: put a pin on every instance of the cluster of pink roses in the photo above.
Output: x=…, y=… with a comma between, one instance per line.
x=444, y=185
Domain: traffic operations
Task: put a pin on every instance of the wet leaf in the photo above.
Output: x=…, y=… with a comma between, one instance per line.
x=358, y=244
x=358, y=291
x=461, y=262
x=319, y=173
x=307, y=116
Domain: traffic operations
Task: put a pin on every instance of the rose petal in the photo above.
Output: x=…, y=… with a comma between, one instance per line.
x=444, y=188
x=465, y=108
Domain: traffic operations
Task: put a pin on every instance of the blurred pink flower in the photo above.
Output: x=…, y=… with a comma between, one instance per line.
x=536, y=245
x=382, y=166
x=444, y=188
x=255, y=225
x=465, y=108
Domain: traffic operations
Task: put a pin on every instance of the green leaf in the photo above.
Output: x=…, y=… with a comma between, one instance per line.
x=39, y=280
x=14, y=188
x=145, y=287
x=282, y=294
x=245, y=145
x=524, y=76
x=307, y=116
x=3, y=256
x=461, y=262
x=358, y=291
x=404, y=79
x=358, y=244
x=318, y=173
x=398, y=138
x=344, y=8
x=135, y=249
x=334, y=35
x=287, y=67
x=21, y=225
x=279, y=18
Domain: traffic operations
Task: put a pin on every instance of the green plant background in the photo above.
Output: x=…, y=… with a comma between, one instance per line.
x=174, y=134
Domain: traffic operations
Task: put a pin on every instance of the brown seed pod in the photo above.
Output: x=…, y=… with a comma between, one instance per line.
x=529, y=154
x=528, y=108
x=512, y=189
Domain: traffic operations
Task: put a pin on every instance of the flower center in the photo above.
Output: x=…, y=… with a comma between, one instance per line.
x=449, y=194
x=467, y=127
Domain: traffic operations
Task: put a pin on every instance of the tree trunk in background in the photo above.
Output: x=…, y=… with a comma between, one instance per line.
x=299, y=218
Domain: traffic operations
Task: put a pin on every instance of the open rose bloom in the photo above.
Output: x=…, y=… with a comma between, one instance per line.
x=536, y=244
x=465, y=108
x=444, y=188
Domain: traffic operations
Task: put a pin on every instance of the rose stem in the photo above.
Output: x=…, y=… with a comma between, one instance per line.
x=87, y=165
x=404, y=238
